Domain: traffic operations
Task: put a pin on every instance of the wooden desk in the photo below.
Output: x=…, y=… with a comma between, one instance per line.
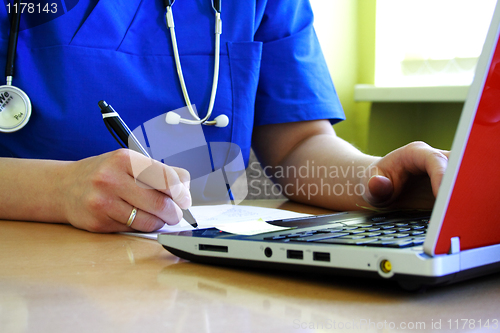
x=55, y=278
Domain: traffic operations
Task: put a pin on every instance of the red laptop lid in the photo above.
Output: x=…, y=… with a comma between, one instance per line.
x=473, y=212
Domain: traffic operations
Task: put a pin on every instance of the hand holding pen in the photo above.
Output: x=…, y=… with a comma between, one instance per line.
x=172, y=183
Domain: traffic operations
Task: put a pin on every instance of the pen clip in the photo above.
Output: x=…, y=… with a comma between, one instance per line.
x=120, y=131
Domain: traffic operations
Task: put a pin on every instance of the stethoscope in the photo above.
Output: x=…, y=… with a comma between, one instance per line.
x=173, y=118
x=15, y=105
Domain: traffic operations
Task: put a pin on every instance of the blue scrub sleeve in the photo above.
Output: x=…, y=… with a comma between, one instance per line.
x=294, y=82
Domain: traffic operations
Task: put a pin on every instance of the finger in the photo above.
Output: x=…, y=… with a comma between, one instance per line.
x=105, y=225
x=397, y=167
x=184, y=176
x=143, y=221
x=166, y=180
x=150, y=200
x=174, y=182
x=177, y=189
x=380, y=189
x=379, y=185
x=445, y=152
x=156, y=203
x=436, y=165
x=419, y=158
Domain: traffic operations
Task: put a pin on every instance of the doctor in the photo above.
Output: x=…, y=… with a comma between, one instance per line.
x=273, y=91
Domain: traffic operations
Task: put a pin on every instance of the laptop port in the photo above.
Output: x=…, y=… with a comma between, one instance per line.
x=212, y=248
x=321, y=256
x=294, y=254
x=386, y=266
x=268, y=252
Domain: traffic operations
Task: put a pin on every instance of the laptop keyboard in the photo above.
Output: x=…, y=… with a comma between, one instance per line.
x=399, y=234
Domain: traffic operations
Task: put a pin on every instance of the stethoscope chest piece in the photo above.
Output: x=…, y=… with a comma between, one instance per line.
x=15, y=109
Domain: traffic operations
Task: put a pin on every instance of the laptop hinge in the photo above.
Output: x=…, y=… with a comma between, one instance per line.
x=455, y=245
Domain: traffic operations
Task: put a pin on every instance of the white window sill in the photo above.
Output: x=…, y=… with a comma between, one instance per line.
x=371, y=93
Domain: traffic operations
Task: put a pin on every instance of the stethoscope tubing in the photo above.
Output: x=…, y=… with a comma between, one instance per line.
x=24, y=113
x=169, y=19
x=13, y=116
x=13, y=36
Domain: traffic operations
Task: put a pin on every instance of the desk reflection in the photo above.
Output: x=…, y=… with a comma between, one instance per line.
x=56, y=278
x=329, y=303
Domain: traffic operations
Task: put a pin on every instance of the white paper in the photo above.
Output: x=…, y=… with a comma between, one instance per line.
x=213, y=216
x=249, y=228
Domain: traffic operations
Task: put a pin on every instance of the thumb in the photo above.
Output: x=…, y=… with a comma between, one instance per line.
x=379, y=190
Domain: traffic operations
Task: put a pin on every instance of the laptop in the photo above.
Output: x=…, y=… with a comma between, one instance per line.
x=457, y=240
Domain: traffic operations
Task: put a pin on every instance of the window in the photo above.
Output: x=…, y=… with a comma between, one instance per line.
x=429, y=42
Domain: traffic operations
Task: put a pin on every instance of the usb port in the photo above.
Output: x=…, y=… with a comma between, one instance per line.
x=212, y=248
x=294, y=254
x=321, y=256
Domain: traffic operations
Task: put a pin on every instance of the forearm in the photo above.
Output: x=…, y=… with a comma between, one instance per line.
x=312, y=165
x=31, y=190
x=326, y=171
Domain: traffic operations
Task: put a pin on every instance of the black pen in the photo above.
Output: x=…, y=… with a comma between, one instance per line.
x=127, y=139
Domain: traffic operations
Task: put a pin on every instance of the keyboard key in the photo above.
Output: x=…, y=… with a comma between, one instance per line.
x=356, y=231
x=417, y=227
x=275, y=238
x=353, y=237
x=292, y=235
x=318, y=236
x=370, y=234
x=396, y=235
x=367, y=240
x=418, y=241
x=368, y=229
x=360, y=241
x=364, y=225
x=328, y=230
x=349, y=228
x=383, y=242
x=401, y=244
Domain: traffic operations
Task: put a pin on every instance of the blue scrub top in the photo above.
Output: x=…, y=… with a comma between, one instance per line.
x=271, y=71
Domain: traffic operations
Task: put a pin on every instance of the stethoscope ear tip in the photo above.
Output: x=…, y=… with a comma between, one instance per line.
x=221, y=120
x=172, y=118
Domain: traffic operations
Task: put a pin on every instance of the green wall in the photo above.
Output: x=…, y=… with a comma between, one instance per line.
x=393, y=125
x=346, y=29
